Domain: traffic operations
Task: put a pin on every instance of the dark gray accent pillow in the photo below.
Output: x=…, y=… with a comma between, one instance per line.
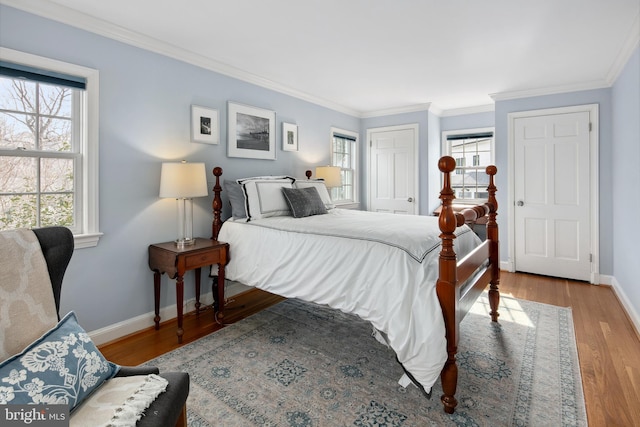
x=304, y=201
x=236, y=198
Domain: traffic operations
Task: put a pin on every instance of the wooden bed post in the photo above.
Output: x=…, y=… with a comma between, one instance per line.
x=446, y=285
x=492, y=235
x=217, y=205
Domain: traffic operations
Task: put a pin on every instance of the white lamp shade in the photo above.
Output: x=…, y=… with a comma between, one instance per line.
x=330, y=174
x=183, y=180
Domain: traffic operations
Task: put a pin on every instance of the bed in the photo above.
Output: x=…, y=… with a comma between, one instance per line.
x=403, y=274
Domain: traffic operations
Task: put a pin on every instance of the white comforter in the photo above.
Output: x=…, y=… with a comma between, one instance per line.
x=381, y=267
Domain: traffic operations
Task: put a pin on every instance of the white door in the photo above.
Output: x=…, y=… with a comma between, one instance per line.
x=552, y=195
x=393, y=172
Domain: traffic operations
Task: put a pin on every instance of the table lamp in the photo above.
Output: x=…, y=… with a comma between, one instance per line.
x=183, y=181
x=330, y=174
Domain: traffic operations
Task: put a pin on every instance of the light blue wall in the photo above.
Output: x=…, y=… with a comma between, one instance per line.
x=434, y=181
x=626, y=179
x=145, y=103
x=602, y=97
x=468, y=121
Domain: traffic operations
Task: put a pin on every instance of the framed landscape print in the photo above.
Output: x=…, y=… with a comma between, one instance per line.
x=289, y=137
x=205, y=125
x=251, y=132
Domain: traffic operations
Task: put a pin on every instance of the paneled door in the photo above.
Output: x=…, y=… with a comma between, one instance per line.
x=393, y=171
x=552, y=195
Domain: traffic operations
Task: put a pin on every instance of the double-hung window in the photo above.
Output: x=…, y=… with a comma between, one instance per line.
x=48, y=145
x=344, y=155
x=473, y=151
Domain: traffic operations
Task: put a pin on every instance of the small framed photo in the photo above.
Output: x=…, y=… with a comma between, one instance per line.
x=251, y=132
x=205, y=125
x=289, y=137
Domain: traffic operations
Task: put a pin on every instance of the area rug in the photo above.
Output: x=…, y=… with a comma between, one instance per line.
x=297, y=364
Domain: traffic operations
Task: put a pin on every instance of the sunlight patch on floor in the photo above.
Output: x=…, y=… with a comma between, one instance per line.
x=510, y=310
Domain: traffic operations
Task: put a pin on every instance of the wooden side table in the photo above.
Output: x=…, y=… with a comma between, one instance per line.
x=175, y=261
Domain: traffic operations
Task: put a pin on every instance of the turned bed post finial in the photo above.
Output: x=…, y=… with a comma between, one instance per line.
x=308, y=174
x=217, y=204
x=447, y=220
x=492, y=235
x=446, y=284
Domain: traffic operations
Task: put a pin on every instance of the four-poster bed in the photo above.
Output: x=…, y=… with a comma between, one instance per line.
x=298, y=257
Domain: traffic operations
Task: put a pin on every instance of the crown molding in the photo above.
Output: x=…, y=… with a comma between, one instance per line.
x=553, y=90
x=94, y=25
x=622, y=58
x=432, y=108
x=398, y=110
x=626, y=51
x=468, y=110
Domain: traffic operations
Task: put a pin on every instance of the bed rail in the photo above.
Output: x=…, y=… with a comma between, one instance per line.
x=455, y=299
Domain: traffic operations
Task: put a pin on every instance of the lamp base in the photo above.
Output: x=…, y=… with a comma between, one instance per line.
x=181, y=243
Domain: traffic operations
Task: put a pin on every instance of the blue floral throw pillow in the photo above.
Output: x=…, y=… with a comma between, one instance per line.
x=62, y=367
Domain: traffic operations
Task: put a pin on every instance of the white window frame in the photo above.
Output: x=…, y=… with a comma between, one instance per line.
x=355, y=163
x=87, y=196
x=446, y=151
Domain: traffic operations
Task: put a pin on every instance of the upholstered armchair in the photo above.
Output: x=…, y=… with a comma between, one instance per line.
x=32, y=267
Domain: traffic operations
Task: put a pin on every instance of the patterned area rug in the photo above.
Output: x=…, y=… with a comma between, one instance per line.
x=298, y=364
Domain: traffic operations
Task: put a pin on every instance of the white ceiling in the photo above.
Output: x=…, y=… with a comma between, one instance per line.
x=369, y=57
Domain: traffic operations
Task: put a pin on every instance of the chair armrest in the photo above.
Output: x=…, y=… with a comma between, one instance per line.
x=167, y=409
x=129, y=371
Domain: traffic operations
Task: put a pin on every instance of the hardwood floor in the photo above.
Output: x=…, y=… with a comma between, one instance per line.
x=608, y=345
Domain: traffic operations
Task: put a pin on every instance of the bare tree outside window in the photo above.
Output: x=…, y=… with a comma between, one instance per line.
x=37, y=156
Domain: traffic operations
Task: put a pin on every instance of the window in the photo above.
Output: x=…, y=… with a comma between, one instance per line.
x=48, y=145
x=473, y=151
x=344, y=155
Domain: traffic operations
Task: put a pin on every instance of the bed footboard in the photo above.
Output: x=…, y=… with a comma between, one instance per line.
x=461, y=282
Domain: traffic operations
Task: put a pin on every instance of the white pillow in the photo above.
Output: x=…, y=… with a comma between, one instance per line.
x=322, y=190
x=264, y=198
x=265, y=177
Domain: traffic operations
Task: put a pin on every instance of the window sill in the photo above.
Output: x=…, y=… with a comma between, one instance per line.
x=89, y=240
x=354, y=205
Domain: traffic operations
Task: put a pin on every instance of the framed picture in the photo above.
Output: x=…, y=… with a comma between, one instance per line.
x=251, y=132
x=289, y=137
x=205, y=125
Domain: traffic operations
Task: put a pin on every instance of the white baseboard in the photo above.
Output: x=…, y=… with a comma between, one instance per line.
x=507, y=266
x=144, y=321
x=604, y=279
x=626, y=304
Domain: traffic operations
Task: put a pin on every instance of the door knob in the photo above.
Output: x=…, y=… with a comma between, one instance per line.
x=520, y=203
x=410, y=199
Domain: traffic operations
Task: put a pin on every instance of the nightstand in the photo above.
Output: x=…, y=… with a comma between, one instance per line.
x=176, y=261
